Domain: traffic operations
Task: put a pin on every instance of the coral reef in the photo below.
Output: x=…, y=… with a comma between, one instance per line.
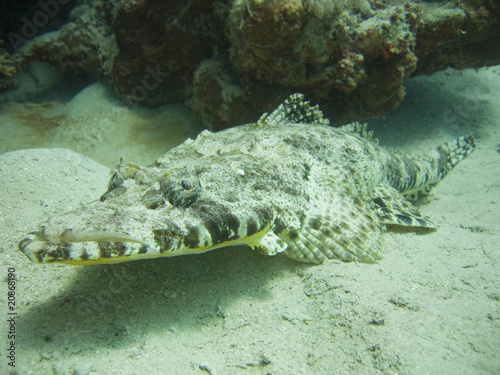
x=460, y=37
x=364, y=59
x=230, y=60
x=160, y=46
x=86, y=46
x=217, y=96
x=329, y=8
x=7, y=68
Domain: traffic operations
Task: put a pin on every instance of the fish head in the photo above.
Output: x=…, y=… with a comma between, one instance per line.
x=186, y=208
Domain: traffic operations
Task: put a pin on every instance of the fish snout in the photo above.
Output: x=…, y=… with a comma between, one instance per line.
x=84, y=246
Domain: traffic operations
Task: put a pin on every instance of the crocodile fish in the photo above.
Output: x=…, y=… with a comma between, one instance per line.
x=287, y=184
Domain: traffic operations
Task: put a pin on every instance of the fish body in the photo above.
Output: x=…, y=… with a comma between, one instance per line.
x=287, y=184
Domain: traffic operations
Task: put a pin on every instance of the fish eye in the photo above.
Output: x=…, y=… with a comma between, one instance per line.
x=186, y=185
x=180, y=187
x=119, y=174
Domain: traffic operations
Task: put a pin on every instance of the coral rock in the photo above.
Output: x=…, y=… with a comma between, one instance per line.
x=7, y=68
x=232, y=59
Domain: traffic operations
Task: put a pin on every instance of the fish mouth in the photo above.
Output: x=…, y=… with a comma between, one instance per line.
x=87, y=244
x=85, y=247
x=71, y=236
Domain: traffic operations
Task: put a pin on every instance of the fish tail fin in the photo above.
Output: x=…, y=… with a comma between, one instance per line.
x=415, y=176
x=452, y=153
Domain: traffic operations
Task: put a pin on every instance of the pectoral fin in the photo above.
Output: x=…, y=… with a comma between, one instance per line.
x=270, y=244
x=394, y=209
x=351, y=232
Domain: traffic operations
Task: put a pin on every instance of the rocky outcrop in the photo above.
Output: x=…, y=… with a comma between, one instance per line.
x=232, y=60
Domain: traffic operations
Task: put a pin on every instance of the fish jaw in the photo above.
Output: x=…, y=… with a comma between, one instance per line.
x=38, y=250
x=98, y=234
x=92, y=247
x=102, y=242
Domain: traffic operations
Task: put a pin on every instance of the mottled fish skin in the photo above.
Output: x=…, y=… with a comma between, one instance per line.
x=288, y=183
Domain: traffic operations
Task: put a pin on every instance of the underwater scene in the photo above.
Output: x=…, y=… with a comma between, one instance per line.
x=250, y=187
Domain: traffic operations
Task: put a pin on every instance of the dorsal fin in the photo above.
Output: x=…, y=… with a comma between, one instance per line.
x=294, y=110
x=360, y=130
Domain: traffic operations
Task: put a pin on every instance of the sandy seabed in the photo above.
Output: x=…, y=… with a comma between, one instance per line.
x=430, y=306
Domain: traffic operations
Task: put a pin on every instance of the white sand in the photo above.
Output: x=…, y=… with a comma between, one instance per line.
x=94, y=123
x=430, y=306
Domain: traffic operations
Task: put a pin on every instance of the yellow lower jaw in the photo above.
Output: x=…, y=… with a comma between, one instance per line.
x=90, y=252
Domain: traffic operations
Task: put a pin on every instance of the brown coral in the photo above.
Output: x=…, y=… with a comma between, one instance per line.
x=459, y=37
x=262, y=35
x=335, y=55
x=84, y=47
x=171, y=37
x=218, y=97
x=233, y=59
x=7, y=68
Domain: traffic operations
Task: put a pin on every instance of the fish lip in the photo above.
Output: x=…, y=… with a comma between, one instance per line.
x=34, y=238
x=40, y=250
x=69, y=235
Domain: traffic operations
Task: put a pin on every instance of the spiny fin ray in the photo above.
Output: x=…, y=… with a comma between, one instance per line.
x=360, y=130
x=294, y=110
